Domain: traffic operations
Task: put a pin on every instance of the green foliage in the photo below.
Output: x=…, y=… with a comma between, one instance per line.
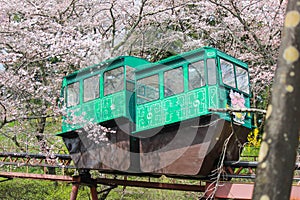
x=250, y=153
x=26, y=141
x=253, y=138
x=54, y=59
x=133, y=193
x=23, y=189
x=17, y=17
x=251, y=150
x=156, y=194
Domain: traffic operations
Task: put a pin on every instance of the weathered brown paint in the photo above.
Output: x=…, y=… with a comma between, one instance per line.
x=167, y=152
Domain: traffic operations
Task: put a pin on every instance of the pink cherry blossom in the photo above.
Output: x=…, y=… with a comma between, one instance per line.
x=41, y=41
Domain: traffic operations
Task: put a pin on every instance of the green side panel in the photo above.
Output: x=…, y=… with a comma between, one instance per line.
x=90, y=111
x=172, y=109
x=196, y=103
x=213, y=97
x=98, y=110
x=149, y=116
x=130, y=105
x=222, y=98
x=225, y=102
x=73, y=115
x=87, y=111
x=113, y=106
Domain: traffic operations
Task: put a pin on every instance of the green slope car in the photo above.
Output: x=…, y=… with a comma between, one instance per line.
x=127, y=115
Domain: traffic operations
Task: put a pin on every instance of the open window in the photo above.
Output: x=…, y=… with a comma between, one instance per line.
x=73, y=94
x=148, y=89
x=173, y=82
x=196, y=75
x=91, y=88
x=242, y=79
x=113, y=80
x=227, y=69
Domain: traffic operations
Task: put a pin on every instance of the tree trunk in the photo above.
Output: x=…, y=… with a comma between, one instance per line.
x=41, y=123
x=280, y=141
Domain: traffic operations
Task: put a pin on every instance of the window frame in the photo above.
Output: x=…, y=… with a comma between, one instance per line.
x=237, y=67
x=233, y=70
x=68, y=93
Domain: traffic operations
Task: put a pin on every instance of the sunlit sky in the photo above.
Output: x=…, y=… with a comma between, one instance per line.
x=2, y=68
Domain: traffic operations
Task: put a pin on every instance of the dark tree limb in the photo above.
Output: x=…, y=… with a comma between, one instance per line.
x=280, y=141
x=248, y=110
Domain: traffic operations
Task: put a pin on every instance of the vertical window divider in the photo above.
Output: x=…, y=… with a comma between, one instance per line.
x=161, y=84
x=206, y=71
x=185, y=77
x=101, y=87
x=81, y=91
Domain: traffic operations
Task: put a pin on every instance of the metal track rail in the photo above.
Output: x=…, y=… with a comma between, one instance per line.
x=252, y=164
x=106, y=181
x=245, y=170
x=36, y=160
x=226, y=189
x=232, y=169
x=49, y=177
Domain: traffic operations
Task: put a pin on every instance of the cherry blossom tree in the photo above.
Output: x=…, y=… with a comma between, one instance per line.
x=43, y=40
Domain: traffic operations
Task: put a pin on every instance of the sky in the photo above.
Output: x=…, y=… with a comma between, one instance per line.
x=2, y=68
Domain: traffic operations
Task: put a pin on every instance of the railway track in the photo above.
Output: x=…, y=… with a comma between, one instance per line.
x=233, y=170
x=36, y=160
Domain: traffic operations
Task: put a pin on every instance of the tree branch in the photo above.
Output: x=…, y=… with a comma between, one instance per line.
x=130, y=32
x=237, y=13
x=230, y=110
x=4, y=121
